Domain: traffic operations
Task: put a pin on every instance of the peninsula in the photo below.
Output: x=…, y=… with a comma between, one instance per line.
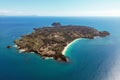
x=50, y=41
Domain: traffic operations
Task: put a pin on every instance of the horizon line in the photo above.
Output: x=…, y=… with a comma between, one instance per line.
x=58, y=16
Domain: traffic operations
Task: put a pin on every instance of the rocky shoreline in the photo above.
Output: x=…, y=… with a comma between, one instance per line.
x=50, y=41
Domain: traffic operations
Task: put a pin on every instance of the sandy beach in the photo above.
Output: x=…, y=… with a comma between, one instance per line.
x=65, y=49
x=21, y=50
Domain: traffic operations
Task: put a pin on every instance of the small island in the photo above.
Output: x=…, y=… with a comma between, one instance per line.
x=50, y=41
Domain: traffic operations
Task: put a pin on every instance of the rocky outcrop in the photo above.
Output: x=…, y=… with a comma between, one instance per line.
x=56, y=24
x=9, y=46
x=103, y=33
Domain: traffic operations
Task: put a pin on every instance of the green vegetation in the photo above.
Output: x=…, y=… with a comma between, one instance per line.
x=50, y=41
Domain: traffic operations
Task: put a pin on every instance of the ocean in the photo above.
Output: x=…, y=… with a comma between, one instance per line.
x=90, y=59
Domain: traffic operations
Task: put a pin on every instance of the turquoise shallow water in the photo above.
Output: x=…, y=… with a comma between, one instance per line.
x=97, y=59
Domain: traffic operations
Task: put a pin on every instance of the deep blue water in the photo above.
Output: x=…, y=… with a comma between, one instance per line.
x=97, y=59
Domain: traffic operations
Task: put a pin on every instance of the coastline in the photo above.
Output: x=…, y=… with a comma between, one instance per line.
x=65, y=49
x=63, y=52
x=21, y=50
x=15, y=46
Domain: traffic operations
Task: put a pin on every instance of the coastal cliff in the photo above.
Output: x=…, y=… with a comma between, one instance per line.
x=50, y=41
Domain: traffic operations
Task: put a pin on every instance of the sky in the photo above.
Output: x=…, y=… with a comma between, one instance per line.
x=59, y=7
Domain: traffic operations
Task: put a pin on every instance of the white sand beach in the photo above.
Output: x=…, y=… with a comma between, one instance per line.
x=21, y=50
x=48, y=58
x=65, y=49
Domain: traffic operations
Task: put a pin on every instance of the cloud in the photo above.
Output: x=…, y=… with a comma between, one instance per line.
x=84, y=13
x=15, y=13
x=4, y=11
x=96, y=13
x=60, y=13
x=105, y=13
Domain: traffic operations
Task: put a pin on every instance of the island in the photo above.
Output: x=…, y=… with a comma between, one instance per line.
x=50, y=41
